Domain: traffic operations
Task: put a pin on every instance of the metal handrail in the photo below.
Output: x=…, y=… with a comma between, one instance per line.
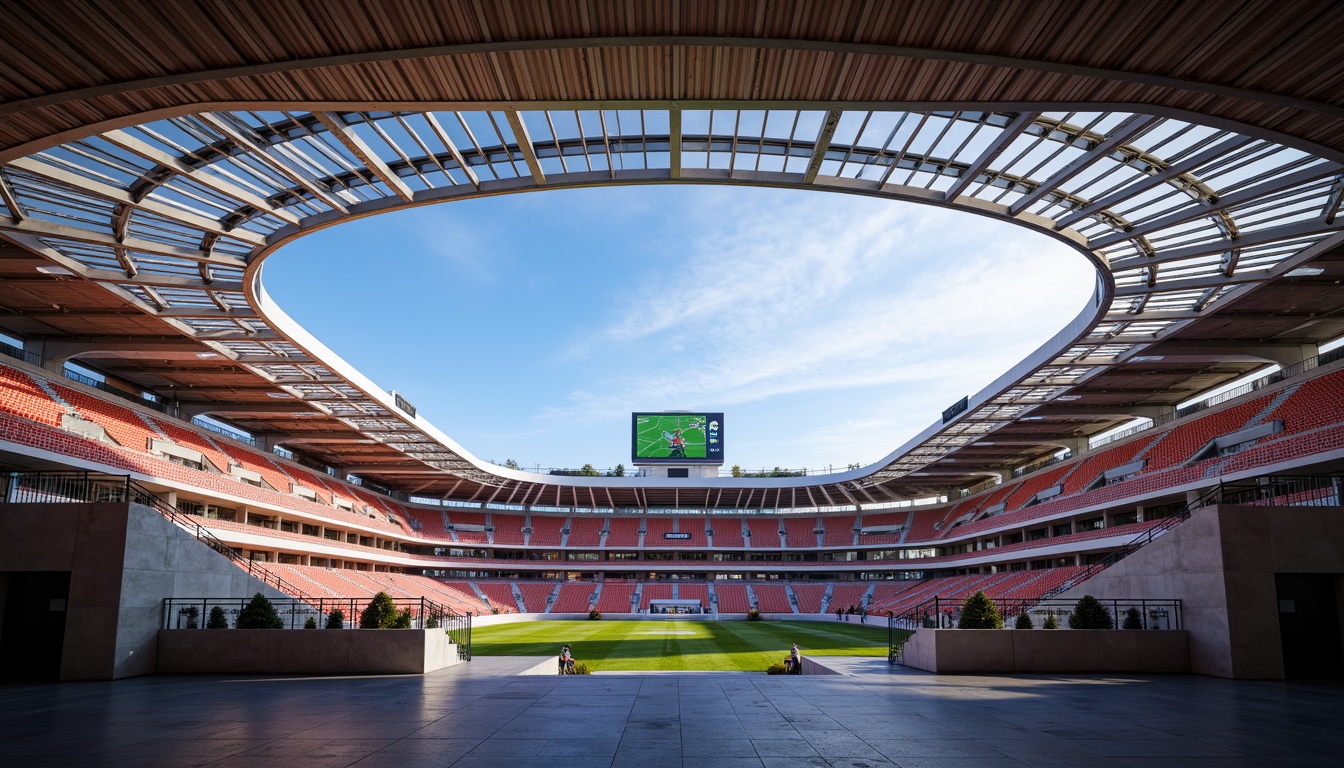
x=1269, y=488
x=67, y=486
x=188, y=613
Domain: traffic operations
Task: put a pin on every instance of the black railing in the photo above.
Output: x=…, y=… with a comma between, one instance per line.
x=84, y=487
x=1288, y=491
x=938, y=613
x=103, y=386
x=1272, y=490
x=195, y=613
x=229, y=433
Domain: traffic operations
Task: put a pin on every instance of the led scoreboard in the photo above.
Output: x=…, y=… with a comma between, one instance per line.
x=676, y=438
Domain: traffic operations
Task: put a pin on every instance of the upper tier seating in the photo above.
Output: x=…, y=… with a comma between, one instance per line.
x=893, y=519
x=1181, y=442
x=321, y=485
x=728, y=532
x=124, y=426
x=269, y=471
x=624, y=532
x=431, y=522
x=22, y=397
x=1315, y=404
x=839, y=531
x=800, y=531
x=198, y=442
x=546, y=531
x=508, y=529
x=476, y=536
x=1093, y=466
x=584, y=531
x=654, y=530
x=1033, y=484
x=764, y=532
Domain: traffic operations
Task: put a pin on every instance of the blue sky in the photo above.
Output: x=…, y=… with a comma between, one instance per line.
x=828, y=328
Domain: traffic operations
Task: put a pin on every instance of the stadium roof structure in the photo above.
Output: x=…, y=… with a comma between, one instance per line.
x=154, y=155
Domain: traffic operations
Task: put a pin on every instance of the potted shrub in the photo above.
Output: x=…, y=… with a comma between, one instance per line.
x=1050, y=621
x=754, y=614
x=336, y=619
x=432, y=621
x=403, y=619
x=310, y=623
x=259, y=614
x=1024, y=621
x=217, y=619
x=594, y=615
x=192, y=614
x=1133, y=620
x=1089, y=613
x=380, y=613
x=978, y=612
x=776, y=668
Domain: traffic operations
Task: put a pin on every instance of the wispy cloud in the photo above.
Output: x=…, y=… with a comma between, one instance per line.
x=826, y=296
x=450, y=237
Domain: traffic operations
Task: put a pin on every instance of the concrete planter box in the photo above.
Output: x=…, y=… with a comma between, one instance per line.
x=965, y=651
x=304, y=651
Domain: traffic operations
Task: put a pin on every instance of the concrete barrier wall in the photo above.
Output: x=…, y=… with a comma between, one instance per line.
x=1222, y=563
x=964, y=651
x=123, y=560
x=304, y=651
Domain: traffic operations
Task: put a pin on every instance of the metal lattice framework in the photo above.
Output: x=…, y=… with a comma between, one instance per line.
x=177, y=216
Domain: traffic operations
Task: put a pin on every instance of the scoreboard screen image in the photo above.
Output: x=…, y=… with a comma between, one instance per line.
x=677, y=438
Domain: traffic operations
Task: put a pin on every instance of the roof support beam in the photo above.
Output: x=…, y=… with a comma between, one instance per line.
x=259, y=150
x=1304, y=176
x=1261, y=237
x=524, y=140
x=1119, y=136
x=447, y=141
x=1006, y=137
x=823, y=143
x=208, y=313
x=124, y=197
x=209, y=181
x=674, y=142
x=360, y=149
x=35, y=245
x=11, y=200
x=1223, y=147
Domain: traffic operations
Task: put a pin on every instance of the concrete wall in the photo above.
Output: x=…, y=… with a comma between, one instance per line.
x=123, y=561
x=1221, y=564
x=1065, y=651
x=304, y=651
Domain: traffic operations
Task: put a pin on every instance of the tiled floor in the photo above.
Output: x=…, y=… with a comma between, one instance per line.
x=478, y=715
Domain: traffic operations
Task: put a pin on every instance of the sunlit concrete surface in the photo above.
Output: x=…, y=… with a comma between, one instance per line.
x=480, y=714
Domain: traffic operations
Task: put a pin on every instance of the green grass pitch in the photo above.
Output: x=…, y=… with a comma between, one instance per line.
x=721, y=646
x=651, y=444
